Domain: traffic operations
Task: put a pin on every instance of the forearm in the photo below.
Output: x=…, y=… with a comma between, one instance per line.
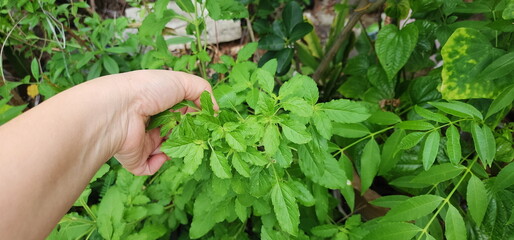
x=50, y=153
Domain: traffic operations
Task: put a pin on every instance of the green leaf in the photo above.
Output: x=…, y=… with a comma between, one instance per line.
x=498, y=68
x=264, y=78
x=477, y=199
x=430, y=149
x=295, y=131
x=378, y=78
x=453, y=148
x=292, y=15
x=284, y=156
x=192, y=153
x=438, y=173
x=390, y=154
x=322, y=123
x=397, y=9
x=219, y=165
x=236, y=141
x=303, y=194
x=485, y=145
x=384, y=118
x=411, y=140
x=240, y=165
x=394, y=47
x=247, y=51
x=186, y=5
x=298, y=106
x=333, y=176
x=413, y=208
x=508, y=12
x=286, y=208
x=465, y=55
x=454, y=224
x=505, y=178
x=325, y=231
x=299, y=31
x=370, y=161
x=459, y=109
x=110, y=65
x=271, y=66
x=206, y=103
x=420, y=125
x=503, y=100
x=272, y=43
x=350, y=130
x=299, y=86
x=389, y=201
x=241, y=211
x=345, y=111
x=427, y=114
x=110, y=214
x=34, y=68
x=271, y=139
x=394, y=230
x=254, y=157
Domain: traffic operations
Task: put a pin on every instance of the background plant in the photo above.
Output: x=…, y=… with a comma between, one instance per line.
x=402, y=132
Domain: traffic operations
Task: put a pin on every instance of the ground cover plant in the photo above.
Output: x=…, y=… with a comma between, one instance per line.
x=398, y=127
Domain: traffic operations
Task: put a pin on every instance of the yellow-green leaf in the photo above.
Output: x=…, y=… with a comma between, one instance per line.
x=455, y=227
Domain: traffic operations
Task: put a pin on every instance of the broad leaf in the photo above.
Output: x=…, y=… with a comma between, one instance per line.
x=322, y=123
x=350, y=130
x=502, y=101
x=286, y=208
x=505, y=178
x=477, y=199
x=247, y=51
x=299, y=86
x=459, y=109
x=389, y=201
x=295, y=131
x=427, y=114
x=240, y=165
x=419, y=125
x=271, y=139
x=292, y=15
x=236, y=141
x=413, y=208
x=465, y=55
x=303, y=194
x=394, y=47
x=298, y=106
x=325, y=231
x=454, y=224
x=430, y=149
x=264, y=78
x=300, y=30
x=485, y=145
x=411, y=140
x=370, y=161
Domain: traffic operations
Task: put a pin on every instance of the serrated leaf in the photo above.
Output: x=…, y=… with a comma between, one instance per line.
x=419, y=125
x=295, y=131
x=395, y=230
x=389, y=201
x=438, y=173
x=247, y=51
x=110, y=214
x=271, y=139
x=459, y=109
x=505, y=178
x=350, y=130
x=298, y=106
x=411, y=140
x=236, y=141
x=454, y=224
x=345, y=111
x=284, y=156
x=427, y=114
x=394, y=47
x=191, y=152
x=413, y=208
x=453, y=148
x=485, y=145
x=271, y=66
x=254, y=157
x=322, y=123
x=299, y=86
x=325, y=231
x=333, y=176
x=503, y=100
x=240, y=165
x=206, y=103
x=370, y=161
x=303, y=194
x=219, y=165
x=241, y=211
x=286, y=208
x=264, y=78
x=477, y=199
x=430, y=149
x=390, y=154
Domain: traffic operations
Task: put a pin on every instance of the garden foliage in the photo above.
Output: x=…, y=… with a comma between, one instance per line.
x=405, y=134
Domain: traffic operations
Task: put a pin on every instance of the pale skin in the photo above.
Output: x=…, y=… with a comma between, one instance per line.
x=49, y=154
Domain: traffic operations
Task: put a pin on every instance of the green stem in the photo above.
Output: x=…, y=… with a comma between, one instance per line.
x=88, y=210
x=447, y=199
x=362, y=139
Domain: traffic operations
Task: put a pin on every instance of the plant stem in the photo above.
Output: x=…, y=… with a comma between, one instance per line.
x=362, y=139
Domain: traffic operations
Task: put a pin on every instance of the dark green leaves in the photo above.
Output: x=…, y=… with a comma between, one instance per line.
x=453, y=148
x=393, y=230
x=394, y=47
x=292, y=15
x=430, y=149
x=477, y=199
x=438, y=173
x=285, y=208
x=505, y=178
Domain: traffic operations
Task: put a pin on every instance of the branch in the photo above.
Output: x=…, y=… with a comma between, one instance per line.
x=364, y=8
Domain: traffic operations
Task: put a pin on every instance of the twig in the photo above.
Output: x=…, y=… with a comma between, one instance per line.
x=366, y=7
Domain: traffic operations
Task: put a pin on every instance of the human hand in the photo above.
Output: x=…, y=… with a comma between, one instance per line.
x=147, y=93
